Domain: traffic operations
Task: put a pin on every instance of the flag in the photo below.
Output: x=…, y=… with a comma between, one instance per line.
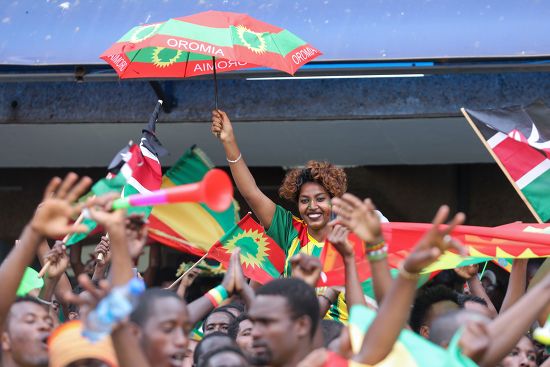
x=410, y=348
x=134, y=169
x=511, y=241
x=505, y=264
x=333, y=264
x=111, y=183
x=190, y=227
x=261, y=258
x=334, y=269
x=146, y=175
x=519, y=139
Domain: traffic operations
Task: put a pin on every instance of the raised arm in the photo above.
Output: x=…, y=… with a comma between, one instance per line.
x=510, y=326
x=261, y=205
x=360, y=217
x=470, y=274
x=517, y=283
x=51, y=220
x=115, y=224
x=339, y=239
x=395, y=308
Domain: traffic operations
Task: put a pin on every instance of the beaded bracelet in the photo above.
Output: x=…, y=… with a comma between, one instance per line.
x=377, y=255
x=217, y=295
x=378, y=246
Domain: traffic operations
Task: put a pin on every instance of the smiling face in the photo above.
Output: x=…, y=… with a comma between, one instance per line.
x=314, y=205
x=25, y=337
x=165, y=333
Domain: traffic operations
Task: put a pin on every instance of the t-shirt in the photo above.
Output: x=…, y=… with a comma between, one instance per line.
x=291, y=235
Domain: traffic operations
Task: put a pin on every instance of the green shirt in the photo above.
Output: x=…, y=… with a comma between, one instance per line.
x=291, y=235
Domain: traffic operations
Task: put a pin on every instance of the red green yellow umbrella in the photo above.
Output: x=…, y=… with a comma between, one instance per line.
x=205, y=43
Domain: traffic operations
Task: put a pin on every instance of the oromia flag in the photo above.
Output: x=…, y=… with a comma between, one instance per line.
x=333, y=264
x=512, y=241
x=261, y=258
x=519, y=139
x=190, y=227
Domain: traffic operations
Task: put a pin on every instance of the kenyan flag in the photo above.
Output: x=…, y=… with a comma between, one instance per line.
x=184, y=47
x=261, y=258
x=518, y=138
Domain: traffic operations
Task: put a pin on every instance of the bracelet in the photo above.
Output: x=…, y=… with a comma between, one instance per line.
x=378, y=246
x=43, y=301
x=377, y=255
x=217, y=295
x=236, y=160
x=380, y=253
x=406, y=274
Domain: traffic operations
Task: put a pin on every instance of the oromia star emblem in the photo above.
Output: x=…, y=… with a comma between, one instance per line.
x=254, y=41
x=253, y=245
x=163, y=57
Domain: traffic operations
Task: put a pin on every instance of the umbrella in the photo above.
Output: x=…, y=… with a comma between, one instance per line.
x=206, y=43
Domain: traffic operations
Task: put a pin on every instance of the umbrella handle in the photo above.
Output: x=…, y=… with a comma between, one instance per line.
x=215, y=83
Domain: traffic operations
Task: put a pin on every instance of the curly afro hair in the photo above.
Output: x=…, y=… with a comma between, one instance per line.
x=332, y=178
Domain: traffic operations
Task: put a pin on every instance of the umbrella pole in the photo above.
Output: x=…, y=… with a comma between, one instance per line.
x=215, y=83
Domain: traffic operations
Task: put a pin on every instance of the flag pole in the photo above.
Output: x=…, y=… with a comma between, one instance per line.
x=503, y=169
x=187, y=272
x=65, y=239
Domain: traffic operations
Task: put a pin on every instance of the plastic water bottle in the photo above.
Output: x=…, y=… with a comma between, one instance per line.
x=118, y=304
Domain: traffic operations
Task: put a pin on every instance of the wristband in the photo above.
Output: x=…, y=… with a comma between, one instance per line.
x=380, y=253
x=406, y=274
x=217, y=295
x=377, y=246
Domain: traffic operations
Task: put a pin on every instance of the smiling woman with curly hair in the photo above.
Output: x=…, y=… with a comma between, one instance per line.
x=333, y=180
x=311, y=188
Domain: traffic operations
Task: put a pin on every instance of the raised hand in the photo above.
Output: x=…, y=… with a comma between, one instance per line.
x=307, y=268
x=467, y=272
x=188, y=280
x=228, y=281
x=103, y=248
x=238, y=276
x=242, y=288
x=100, y=211
x=52, y=216
x=136, y=233
x=221, y=126
x=338, y=237
x=58, y=259
x=435, y=242
x=90, y=297
x=359, y=217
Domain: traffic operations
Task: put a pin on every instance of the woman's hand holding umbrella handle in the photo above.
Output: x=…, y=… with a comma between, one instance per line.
x=221, y=127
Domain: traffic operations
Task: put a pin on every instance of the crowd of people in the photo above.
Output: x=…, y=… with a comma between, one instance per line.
x=451, y=319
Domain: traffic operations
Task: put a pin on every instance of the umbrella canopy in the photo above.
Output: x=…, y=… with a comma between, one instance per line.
x=188, y=46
